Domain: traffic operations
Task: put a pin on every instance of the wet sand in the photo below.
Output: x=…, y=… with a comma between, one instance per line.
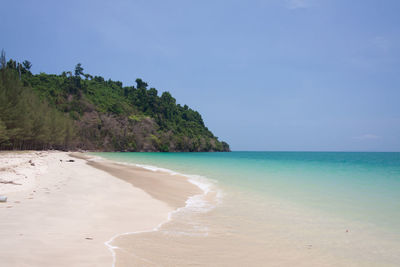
x=171, y=189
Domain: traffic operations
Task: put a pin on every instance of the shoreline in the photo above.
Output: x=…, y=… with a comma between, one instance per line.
x=252, y=229
x=76, y=208
x=163, y=218
x=143, y=178
x=159, y=184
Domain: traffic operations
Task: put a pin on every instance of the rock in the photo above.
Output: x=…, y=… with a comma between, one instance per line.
x=3, y=199
x=70, y=160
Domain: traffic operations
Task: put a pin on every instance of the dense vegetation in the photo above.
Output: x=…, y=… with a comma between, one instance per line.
x=79, y=111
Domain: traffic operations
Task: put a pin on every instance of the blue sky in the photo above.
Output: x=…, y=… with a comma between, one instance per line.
x=265, y=74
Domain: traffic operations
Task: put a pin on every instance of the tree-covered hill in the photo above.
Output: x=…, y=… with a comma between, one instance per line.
x=76, y=110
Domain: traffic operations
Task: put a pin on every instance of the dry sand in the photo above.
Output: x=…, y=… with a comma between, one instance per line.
x=61, y=213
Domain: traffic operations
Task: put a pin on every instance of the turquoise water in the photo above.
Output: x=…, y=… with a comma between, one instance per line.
x=361, y=187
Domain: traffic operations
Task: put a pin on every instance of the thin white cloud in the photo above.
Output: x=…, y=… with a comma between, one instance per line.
x=367, y=137
x=296, y=4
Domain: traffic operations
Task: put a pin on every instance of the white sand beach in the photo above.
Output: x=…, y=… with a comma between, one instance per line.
x=61, y=213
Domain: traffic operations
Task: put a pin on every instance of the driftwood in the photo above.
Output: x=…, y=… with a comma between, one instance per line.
x=8, y=182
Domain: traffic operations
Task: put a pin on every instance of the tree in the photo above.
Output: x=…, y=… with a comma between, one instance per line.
x=152, y=99
x=78, y=69
x=141, y=84
x=11, y=64
x=27, y=65
x=99, y=79
x=3, y=60
x=3, y=132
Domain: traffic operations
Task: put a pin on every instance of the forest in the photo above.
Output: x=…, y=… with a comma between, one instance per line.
x=77, y=111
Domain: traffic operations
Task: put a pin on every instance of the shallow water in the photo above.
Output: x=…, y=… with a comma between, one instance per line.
x=276, y=208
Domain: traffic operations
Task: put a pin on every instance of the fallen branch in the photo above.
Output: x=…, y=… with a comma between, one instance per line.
x=8, y=182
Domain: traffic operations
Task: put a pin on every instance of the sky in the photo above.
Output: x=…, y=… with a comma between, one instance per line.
x=296, y=75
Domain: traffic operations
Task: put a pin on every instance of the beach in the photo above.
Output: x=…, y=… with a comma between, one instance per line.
x=199, y=209
x=62, y=211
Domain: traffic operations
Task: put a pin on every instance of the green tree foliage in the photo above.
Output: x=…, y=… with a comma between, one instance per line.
x=68, y=112
x=27, y=65
x=78, y=69
x=26, y=121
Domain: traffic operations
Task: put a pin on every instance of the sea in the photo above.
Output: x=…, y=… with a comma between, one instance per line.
x=275, y=209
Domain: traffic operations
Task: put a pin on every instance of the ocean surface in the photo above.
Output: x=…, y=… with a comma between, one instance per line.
x=276, y=209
